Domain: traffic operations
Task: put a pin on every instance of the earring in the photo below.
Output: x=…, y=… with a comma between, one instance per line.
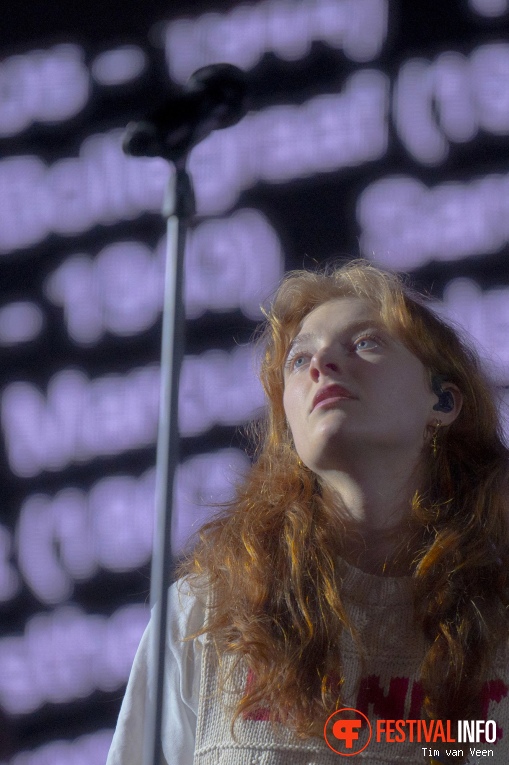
x=436, y=425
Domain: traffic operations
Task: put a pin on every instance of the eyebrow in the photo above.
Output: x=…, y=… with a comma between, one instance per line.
x=301, y=340
x=352, y=328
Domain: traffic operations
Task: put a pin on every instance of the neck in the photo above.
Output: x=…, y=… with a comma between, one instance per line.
x=390, y=553
x=374, y=501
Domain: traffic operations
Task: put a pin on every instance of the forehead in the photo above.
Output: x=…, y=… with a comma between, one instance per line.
x=340, y=312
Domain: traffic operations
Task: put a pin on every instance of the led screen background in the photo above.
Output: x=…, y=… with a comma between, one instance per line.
x=376, y=128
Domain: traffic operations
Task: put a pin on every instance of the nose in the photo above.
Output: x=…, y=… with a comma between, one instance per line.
x=323, y=362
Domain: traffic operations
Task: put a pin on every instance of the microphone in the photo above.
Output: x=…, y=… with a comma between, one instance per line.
x=213, y=98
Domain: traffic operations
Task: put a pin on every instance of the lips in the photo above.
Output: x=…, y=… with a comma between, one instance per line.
x=331, y=393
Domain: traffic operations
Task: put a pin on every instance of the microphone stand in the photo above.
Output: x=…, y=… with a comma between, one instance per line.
x=214, y=98
x=178, y=208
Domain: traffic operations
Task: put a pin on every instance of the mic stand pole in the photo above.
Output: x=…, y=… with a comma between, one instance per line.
x=178, y=208
x=214, y=98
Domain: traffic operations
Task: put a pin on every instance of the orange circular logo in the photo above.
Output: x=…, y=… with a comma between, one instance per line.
x=347, y=732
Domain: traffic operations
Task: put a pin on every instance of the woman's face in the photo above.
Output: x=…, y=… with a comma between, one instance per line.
x=352, y=388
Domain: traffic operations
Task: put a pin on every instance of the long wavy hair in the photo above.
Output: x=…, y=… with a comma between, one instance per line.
x=271, y=558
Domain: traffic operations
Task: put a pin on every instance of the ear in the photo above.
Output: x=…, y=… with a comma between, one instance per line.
x=449, y=400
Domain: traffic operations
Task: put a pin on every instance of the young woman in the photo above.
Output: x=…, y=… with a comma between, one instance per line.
x=364, y=561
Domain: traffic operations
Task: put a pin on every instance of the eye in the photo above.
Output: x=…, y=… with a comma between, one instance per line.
x=296, y=362
x=366, y=343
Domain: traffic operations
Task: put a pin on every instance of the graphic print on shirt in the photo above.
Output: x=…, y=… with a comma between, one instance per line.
x=402, y=700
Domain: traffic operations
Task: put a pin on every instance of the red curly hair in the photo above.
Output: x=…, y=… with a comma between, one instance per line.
x=270, y=556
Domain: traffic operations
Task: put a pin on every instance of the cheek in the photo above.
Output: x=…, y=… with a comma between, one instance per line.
x=287, y=406
x=292, y=407
x=409, y=400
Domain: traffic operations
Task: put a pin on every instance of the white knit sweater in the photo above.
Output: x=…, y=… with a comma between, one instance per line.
x=386, y=687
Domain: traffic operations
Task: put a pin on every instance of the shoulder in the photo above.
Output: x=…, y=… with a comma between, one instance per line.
x=187, y=607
